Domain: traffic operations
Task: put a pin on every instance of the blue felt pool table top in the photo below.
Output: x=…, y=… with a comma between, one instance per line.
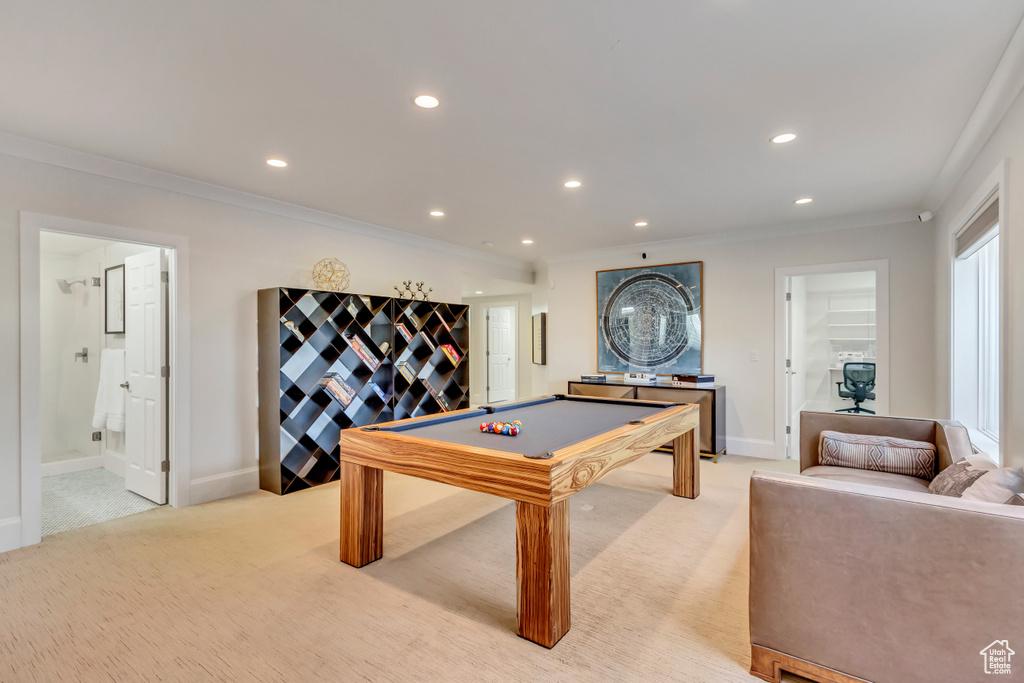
x=549, y=423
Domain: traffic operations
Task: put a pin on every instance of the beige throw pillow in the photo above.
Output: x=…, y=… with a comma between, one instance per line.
x=877, y=453
x=1001, y=485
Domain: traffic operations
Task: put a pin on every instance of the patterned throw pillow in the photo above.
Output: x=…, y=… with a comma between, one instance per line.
x=877, y=453
x=959, y=476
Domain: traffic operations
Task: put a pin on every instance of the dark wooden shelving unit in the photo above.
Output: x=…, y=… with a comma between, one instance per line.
x=330, y=361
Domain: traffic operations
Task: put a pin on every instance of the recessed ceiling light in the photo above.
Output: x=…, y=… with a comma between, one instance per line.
x=804, y=200
x=527, y=241
x=427, y=101
x=573, y=183
x=784, y=137
x=488, y=243
x=277, y=163
x=479, y=292
x=437, y=214
x=641, y=224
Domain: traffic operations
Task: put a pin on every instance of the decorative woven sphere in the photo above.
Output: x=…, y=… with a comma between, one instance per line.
x=331, y=275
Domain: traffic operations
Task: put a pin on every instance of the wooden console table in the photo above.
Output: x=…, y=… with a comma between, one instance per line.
x=711, y=400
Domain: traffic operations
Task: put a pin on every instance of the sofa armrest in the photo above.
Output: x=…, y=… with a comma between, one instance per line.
x=950, y=438
x=882, y=584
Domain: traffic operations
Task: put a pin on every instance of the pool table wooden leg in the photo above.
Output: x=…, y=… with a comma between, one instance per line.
x=362, y=514
x=686, y=465
x=542, y=571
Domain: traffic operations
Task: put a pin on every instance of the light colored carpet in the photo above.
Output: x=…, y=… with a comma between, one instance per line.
x=78, y=499
x=252, y=589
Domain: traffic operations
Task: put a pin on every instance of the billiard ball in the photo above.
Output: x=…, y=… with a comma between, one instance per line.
x=483, y=426
x=514, y=431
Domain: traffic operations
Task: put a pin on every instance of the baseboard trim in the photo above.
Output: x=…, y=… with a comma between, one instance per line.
x=224, y=485
x=48, y=469
x=768, y=665
x=10, y=534
x=754, y=448
x=113, y=462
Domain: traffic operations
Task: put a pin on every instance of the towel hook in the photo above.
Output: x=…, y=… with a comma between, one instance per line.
x=84, y=355
x=125, y=386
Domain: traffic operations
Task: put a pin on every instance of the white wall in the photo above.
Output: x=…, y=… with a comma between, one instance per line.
x=739, y=282
x=234, y=252
x=1005, y=145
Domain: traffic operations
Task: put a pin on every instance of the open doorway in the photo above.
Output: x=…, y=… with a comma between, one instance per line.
x=91, y=292
x=832, y=339
x=102, y=308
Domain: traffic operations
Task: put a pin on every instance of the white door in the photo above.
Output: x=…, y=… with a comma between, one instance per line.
x=144, y=343
x=501, y=354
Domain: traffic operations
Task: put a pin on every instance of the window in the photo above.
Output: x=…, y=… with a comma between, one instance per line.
x=976, y=343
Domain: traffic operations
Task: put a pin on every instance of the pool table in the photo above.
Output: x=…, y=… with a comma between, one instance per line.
x=566, y=444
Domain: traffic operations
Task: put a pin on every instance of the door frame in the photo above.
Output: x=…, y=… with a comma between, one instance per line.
x=178, y=354
x=514, y=305
x=881, y=269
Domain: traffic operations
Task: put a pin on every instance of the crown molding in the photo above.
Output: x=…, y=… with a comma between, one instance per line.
x=1002, y=89
x=859, y=221
x=82, y=162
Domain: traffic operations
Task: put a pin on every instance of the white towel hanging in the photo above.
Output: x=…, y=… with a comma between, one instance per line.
x=110, y=396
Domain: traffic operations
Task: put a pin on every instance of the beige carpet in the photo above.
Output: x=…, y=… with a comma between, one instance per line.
x=250, y=589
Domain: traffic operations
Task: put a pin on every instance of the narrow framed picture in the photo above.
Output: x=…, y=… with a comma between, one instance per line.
x=540, y=339
x=113, y=289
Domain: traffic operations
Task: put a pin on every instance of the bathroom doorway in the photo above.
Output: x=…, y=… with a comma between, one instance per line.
x=97, y=460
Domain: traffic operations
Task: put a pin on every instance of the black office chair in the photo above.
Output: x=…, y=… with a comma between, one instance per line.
x=858, y=381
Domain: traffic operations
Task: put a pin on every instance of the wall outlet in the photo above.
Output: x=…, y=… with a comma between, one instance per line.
x=97, y=436
x=754, y=356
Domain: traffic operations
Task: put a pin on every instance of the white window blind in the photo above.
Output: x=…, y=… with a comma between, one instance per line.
x=977, y=231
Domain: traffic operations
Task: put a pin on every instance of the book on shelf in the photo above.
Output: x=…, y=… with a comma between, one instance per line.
x=430, y=342
x=594, y=378
x=380, y=392
x=452, y=354
x=406, y=370
x=693, y=379
x=404, y=332
x=363, y=352
x=338, y=389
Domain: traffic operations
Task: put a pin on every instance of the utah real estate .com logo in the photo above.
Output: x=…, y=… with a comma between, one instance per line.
x=997, y=657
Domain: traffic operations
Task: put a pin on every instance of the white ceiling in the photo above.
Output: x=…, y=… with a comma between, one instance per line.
x=663, y=109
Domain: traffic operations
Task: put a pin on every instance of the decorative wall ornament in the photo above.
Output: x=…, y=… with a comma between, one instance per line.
x=650, y=319
x=331, y=274
x=407, y=292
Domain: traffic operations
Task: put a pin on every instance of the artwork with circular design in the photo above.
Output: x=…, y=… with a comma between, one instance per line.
x=649, y=319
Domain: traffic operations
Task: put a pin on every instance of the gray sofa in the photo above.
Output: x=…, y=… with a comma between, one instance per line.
x=866, y=576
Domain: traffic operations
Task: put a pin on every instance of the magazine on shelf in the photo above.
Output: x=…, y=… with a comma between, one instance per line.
x=380, y=392
x=452, y=354
x=404, y=332
x=337, y=388
x=406, y=370
x=442, y=401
